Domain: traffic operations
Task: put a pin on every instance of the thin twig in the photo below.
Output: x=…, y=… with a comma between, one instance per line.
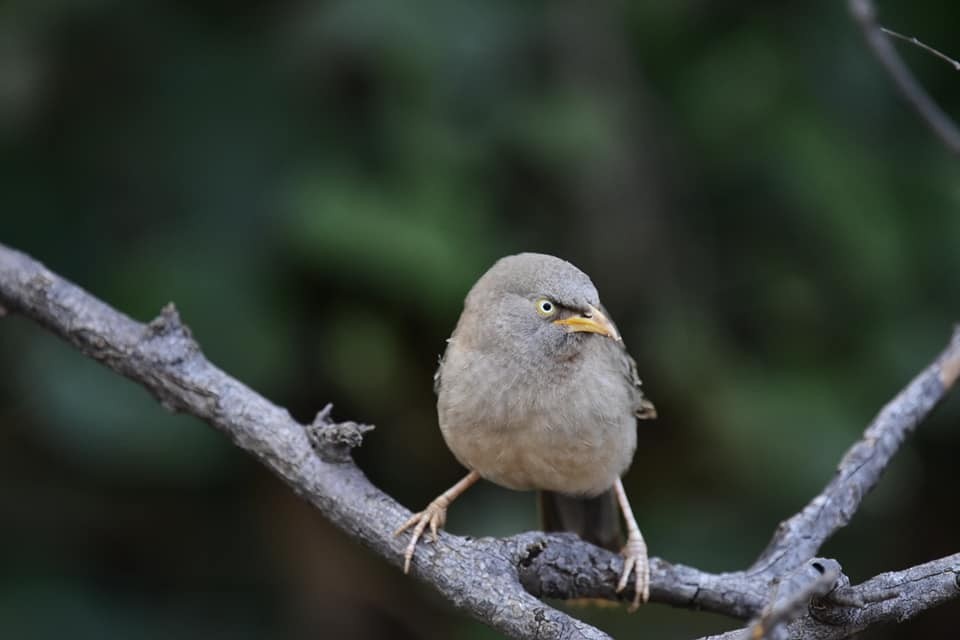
x=918, y=43
x=864, y=13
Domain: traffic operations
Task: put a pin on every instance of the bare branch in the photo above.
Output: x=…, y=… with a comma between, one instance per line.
x=917, y=43
x=549, y=570
x=496, y=580
x=865, y=14
x=792, y=595
x=896, y=596
x=477, y=576
x=799, y=538
x=889, y=597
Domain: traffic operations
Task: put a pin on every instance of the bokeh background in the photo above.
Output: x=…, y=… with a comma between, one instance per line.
x=316, y=186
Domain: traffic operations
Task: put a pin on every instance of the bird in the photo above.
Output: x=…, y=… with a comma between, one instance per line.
x=536, y=391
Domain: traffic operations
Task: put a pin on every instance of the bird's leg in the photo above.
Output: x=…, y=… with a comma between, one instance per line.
x=634, y=553
x=434, y=515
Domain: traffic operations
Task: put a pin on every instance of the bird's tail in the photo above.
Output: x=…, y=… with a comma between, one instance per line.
x=596, y=520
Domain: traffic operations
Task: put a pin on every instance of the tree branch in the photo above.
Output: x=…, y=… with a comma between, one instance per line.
x=922, y=45
x=791, y=596
x=847, y=610
x=479, y=577
x=865, y=14
x=895, y=596
x=799, y=538
x=549, y=570
x=494, y=580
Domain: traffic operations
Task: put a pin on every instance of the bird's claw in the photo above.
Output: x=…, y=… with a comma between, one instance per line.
x=635, y=560
x=434, y=516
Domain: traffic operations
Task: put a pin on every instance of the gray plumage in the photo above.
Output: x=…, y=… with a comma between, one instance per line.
x=528, y=403
x=536, y=391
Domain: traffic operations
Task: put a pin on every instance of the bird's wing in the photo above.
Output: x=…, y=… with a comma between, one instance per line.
x=642, y=407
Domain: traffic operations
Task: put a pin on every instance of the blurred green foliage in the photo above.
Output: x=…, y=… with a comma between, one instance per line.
x=316, y=185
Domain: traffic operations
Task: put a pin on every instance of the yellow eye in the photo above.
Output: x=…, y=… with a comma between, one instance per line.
x=545, y=308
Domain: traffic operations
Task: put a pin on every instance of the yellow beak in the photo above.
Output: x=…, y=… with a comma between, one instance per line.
x=592, y=321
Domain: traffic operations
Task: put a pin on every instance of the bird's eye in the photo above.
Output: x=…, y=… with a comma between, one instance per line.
x=545, y=308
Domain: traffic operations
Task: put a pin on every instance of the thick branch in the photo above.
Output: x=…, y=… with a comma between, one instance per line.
x=549, y=570
x=477, y=576
x=865, y=14
x=799, y=538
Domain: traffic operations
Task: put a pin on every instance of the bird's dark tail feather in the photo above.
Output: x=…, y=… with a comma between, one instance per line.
x=596, y=520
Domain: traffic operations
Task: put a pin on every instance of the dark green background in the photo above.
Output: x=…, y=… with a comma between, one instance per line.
x=316, y=185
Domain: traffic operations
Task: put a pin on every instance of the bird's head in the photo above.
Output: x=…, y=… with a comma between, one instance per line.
x=535, y=304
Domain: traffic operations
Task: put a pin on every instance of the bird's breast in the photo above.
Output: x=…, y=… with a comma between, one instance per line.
x=567, y=429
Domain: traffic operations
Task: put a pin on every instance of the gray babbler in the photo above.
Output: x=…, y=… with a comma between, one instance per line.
x=536, y=391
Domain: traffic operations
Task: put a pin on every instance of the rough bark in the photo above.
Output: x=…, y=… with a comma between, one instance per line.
x=499, y=581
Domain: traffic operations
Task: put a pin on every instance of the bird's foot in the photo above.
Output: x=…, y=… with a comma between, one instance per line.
x=635, y=560
x=435, y=515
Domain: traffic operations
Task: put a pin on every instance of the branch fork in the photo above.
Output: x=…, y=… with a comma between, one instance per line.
x=788, y=592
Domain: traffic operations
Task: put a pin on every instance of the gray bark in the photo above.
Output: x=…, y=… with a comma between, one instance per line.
x=787, y=592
